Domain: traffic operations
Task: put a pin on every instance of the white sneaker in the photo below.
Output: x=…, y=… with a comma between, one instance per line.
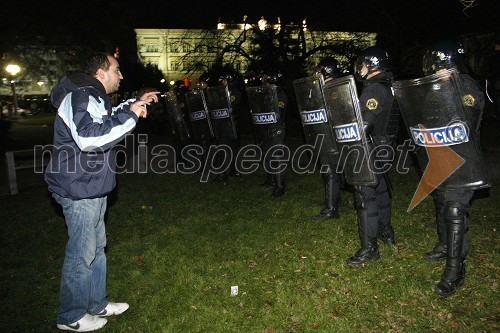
x=113, y=309
x=88, y=323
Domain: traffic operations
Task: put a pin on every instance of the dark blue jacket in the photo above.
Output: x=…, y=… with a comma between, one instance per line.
x=86, y=129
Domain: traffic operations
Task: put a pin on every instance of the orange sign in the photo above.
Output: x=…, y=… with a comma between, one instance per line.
x=443, y=162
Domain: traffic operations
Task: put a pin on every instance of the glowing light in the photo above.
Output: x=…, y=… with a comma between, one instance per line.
x=13, y=69
x=262, y=23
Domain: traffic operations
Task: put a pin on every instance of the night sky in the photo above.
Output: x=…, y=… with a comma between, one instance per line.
x=400, y=23
x=416, y=18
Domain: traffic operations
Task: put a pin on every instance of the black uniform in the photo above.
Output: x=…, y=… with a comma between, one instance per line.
x=177, y=119
x=276, y=137
x=201, y=125
x=452, y=207
x=180, y=93
x=450, y=104
x=373, y=204
x=318, y=126
x=332, y=182
x=494, y=79
x=227, y=135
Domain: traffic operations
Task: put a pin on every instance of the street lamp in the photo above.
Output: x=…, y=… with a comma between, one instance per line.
x=13, y=70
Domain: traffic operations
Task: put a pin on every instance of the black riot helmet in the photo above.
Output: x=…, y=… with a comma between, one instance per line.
x=179, y=88
x=204, y=79
x=445, y=54
x=179, y=84
x=374, y=58
x=227, y=76
x=273, y=76
x=329, y=67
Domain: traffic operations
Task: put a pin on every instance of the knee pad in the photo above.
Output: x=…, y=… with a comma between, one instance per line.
x=454, y=211
x=362, y=202
x=328, y=176
x=358, y=201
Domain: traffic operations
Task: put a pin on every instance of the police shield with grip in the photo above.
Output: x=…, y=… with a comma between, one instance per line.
x=341, y=98
x=442, y=113
x=176, y=118
x=199, y=117
x=220, y=102
x=318, y=131
x=267, y=105
x=372, y=188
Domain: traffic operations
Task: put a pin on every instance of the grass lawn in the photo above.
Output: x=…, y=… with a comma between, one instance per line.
x=176, y=246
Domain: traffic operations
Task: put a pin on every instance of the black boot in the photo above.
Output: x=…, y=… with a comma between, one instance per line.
x=386, y=235
x=367, y=252
x=332, y=199
x=438, y=252
x=279, y=185
x=454, y=273
x=440, y=249
x=385, y=231
x=369, y=248
x=452, y=278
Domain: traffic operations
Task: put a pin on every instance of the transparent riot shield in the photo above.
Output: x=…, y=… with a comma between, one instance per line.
x=437, y=122
x=198, y=115
x=221, y=113
x=176, y=117
x=264, y=109
x=356, y=160
x=316, y=118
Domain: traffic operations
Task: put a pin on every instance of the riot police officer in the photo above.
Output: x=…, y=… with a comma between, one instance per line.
x=223, y=103
x=180, y=90
x=373, y=203
x=228, y=80
x=201, y=125
x=275, y=135
x=329, y=68
x=453, y=205
x=319, y=130
x=175, y=104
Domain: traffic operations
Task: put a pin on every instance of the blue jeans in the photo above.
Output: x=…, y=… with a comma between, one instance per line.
x=83, y=279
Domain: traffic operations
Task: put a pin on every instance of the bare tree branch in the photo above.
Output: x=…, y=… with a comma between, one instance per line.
x=468, y=4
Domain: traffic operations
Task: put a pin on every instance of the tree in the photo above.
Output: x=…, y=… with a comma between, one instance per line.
x=42, y=64
x=290, y=48
x=138, y=76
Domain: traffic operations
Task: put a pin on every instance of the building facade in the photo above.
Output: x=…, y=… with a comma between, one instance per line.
x=186, y=53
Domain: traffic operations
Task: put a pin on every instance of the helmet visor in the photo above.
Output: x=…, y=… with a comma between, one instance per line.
x=358, y=67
